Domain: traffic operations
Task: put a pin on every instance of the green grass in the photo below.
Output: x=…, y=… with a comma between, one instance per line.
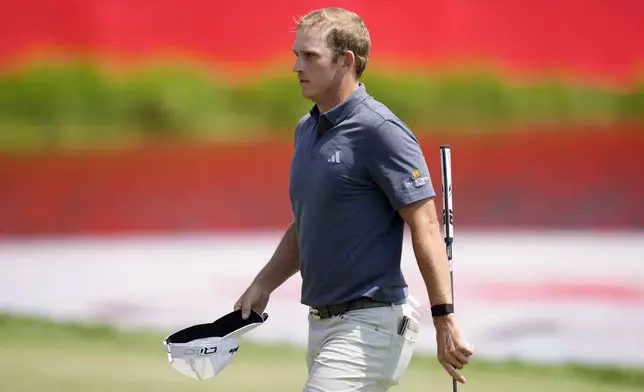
x=77, y=103
x=39, y=355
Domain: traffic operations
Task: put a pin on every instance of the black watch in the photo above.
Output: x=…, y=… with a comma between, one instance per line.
x=442, y=310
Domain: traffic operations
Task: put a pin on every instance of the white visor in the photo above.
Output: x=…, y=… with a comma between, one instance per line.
x=203, y=350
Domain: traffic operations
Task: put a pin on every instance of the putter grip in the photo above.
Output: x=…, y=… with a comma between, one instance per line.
x=446, y=175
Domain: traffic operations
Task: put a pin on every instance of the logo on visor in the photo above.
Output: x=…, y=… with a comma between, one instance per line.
x=204, y=351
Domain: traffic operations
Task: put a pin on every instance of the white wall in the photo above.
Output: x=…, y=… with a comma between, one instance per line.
x=538, y=296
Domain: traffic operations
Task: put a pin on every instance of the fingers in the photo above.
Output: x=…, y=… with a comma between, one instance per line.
x=252, y=299
x=466, y=349
x=451, y=359
x=461, y=358
x=454, y=373
x=246, y=306
x=455, y=359
x=462, y=353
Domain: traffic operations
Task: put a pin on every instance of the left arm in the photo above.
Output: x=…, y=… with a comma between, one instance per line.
x=428, y=248
x=420, y=216
x=398, y=167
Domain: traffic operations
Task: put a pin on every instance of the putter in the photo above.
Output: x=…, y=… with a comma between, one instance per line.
x=448, y=216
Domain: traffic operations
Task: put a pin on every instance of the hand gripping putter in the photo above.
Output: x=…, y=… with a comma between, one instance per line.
x=448, y=216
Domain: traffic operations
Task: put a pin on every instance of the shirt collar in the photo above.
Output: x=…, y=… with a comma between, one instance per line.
x=340, y=112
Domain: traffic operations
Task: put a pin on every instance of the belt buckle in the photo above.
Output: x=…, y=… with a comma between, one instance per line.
x=315, y=313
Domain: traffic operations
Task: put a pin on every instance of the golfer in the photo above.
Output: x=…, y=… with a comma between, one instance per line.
x=357, y=177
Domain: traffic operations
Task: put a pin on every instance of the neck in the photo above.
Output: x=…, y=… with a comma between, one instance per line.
x=337, y=96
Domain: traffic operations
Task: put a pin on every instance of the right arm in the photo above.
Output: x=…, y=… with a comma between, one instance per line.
x=283, y=264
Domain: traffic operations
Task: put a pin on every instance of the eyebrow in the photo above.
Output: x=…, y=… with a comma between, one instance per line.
x=313, y=52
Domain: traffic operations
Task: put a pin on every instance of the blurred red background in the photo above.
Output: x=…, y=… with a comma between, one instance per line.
x=530, y=180
x=595, y=39
x=569, y=178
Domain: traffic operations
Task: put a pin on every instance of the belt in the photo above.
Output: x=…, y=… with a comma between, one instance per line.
x=328, y=311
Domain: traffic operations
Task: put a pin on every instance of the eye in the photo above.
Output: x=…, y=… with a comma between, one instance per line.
x=306, y=55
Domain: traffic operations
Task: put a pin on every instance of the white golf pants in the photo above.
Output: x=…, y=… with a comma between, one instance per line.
x=360, y=351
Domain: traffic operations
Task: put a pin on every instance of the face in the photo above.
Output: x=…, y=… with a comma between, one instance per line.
x=318, y=75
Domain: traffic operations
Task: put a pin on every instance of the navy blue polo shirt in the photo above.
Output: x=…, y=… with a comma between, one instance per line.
x=352, y=168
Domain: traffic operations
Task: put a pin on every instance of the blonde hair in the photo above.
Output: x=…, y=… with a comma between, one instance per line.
x=345, y=31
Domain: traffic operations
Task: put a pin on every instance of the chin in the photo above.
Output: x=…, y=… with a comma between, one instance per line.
x=307, y=94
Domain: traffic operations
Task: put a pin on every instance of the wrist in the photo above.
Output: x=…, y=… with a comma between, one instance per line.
x=443, y=321
x=442, y=310
x=262, y=284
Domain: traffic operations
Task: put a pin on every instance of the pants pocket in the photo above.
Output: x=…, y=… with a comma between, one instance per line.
x=400, y=363
x=402, y=350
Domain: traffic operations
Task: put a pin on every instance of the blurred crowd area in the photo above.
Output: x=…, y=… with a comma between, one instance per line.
x=178, y=115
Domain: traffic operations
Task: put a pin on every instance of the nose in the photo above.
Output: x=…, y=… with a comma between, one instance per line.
x=297, y=67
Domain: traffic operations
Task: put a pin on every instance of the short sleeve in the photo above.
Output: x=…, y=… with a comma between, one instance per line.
x=397, y=165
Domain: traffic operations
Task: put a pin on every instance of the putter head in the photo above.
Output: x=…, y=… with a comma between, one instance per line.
x=202, y=351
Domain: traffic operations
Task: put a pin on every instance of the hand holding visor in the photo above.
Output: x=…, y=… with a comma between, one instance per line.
x=203, y=350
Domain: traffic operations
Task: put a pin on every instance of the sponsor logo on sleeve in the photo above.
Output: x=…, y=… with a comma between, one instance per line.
x=417, y=179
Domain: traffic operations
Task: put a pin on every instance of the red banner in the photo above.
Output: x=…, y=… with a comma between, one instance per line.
x=595, y=38
x=580, y=178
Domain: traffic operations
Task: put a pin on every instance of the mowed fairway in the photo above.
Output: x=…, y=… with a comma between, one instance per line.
x=40, y=356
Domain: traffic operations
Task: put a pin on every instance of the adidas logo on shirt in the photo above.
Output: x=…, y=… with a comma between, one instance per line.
x=335, y=158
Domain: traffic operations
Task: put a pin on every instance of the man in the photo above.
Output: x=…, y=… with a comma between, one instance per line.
x=357, y=177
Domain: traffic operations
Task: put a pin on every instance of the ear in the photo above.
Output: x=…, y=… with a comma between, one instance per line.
x=349, y=59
